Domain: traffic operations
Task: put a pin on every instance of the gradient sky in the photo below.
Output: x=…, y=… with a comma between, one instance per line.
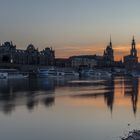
x=71, y=26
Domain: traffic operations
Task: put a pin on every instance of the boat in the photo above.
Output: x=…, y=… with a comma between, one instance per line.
x=105, y=74
x=95, y=73
x=71, y=73
x=135, y=74
x=120, y=72
x=3, y=75
x=12, y=74
x=56, y=73
x=49, y=73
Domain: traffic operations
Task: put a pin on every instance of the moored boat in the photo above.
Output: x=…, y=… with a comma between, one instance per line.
x=56, y=73
x=3, y=75
x=95, y=73
x=12, y=74
x=135, y=74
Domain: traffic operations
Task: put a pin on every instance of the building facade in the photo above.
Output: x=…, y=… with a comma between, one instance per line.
x=31, y=56
x=88, y=61
x=63, y=62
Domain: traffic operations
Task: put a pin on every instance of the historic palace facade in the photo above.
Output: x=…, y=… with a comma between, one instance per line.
x=31, y=56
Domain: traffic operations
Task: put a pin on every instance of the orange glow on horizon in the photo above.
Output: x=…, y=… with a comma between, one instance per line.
x=119, y=50
x=120, y=99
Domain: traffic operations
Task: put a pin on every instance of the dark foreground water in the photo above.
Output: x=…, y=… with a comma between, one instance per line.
x=68, y=109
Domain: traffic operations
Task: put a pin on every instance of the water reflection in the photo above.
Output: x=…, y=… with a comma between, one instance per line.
x=132, y=90
x=25, y=92
x=108, y=90
x=101, y=88
x=109, y=96
x=34, y=92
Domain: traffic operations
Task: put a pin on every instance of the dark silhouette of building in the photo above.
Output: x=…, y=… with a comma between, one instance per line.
x=82, y=61
x=62, y=62
x=131, y=61
x=31, y=56
x=109, y=55
x=91, y=61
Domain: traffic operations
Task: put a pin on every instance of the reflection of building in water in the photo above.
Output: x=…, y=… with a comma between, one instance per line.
x=49, y=101
x=131, y=89
x=29, y=92
x=109, y=95
x=31, y=101
x=103, y=89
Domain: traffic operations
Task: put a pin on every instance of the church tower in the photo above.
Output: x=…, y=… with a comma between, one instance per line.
x=133, y=51
x=131, y=60
x=109, y=54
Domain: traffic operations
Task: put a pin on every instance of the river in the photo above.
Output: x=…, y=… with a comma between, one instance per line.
x=69, y=109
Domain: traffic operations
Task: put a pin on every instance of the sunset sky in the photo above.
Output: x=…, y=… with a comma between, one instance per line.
x=71, y=27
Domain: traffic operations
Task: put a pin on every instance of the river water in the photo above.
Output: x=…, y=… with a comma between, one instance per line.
x=69, y=109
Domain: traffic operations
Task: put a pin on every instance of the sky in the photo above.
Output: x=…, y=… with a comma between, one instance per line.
x=71, y=27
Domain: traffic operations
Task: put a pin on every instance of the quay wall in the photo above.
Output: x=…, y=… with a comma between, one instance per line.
x=28, y=68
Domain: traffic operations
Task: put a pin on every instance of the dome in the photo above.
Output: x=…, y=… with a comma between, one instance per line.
x=30, y=47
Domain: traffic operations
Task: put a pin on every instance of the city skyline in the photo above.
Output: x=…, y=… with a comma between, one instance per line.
x=69, y=69
x=71, y=27
x=119, y=51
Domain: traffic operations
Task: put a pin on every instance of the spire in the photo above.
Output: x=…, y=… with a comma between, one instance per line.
x=133, y=48
x=133, y=42
x=110, y=42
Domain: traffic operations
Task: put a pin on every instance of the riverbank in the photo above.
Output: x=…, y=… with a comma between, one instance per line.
x=135, y=135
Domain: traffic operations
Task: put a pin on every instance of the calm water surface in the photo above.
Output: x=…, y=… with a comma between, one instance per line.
x=69, y=109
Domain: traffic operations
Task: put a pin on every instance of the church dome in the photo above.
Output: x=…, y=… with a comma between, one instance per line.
x=30, y=47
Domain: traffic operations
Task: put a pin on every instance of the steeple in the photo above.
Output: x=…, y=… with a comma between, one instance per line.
x=133, y=48
x=133, y=42
x=109, y=53
x=110, y=44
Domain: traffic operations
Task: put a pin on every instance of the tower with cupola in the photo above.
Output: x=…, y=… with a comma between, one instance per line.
x=131, y=60
x=109, y=53
x=133, y=50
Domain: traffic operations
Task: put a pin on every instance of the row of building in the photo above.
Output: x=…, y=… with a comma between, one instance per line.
x=32, y=56
x=107, y=59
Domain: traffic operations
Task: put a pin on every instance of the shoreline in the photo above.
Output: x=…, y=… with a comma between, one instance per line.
x=134, y=135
